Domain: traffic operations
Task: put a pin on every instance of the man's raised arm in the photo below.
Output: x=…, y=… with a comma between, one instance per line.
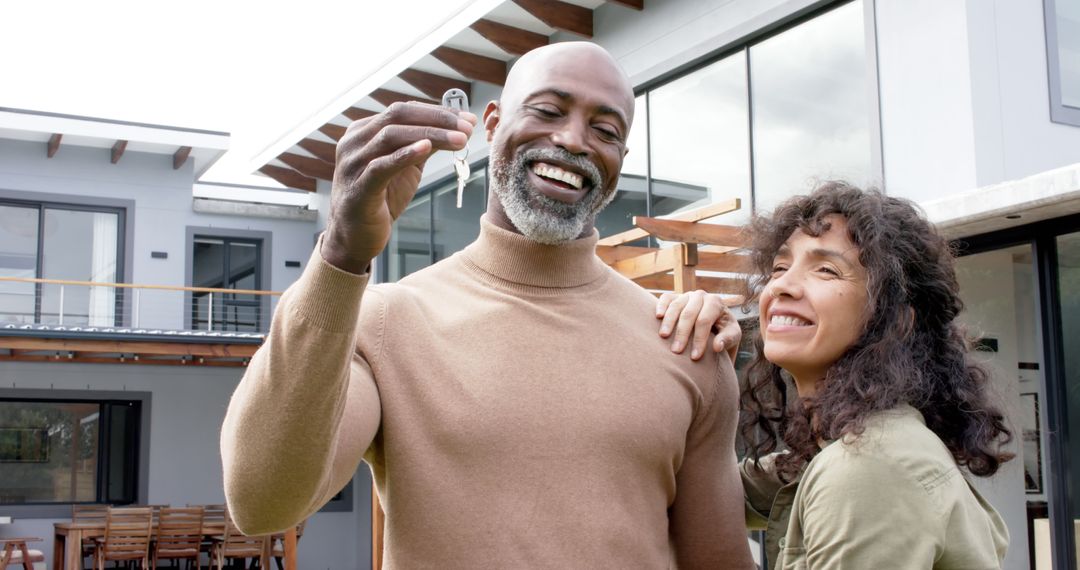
x=307, y=407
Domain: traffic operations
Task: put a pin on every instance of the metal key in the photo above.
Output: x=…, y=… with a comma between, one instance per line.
x=457, y=99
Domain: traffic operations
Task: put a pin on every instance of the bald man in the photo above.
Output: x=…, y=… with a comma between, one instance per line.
x=514, y=402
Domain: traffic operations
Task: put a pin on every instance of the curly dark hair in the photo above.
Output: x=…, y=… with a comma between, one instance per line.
x=912, y=349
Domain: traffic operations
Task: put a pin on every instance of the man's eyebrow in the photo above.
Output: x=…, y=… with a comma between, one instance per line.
x=566, y=96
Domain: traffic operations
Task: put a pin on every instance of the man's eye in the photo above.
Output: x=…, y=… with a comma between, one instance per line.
x=545, y=110
x=609, y=134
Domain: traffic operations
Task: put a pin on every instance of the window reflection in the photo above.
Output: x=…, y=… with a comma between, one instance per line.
x=810, y=106
x=456, y=227
x=1067, y=13
x=409, y=249
x=699, y=140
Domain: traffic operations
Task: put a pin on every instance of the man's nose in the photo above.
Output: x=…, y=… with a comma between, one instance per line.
x=570, y=136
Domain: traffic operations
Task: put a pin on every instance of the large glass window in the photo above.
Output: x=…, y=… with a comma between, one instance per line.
x=65, y=243
x=456, y=227
x=1068, y=262
x=811, y=119
x=1001, y=315
x=68, y=451
x=1063, y=57
x=410, y=249
x=699, y=135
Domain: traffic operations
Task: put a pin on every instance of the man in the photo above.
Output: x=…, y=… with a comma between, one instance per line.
x=514, y=402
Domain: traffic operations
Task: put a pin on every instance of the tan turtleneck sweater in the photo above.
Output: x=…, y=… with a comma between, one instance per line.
x=515, y=404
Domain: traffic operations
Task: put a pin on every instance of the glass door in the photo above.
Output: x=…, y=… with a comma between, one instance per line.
x=1068, y=284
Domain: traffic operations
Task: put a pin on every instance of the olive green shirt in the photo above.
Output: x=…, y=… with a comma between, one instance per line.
x=892, y=497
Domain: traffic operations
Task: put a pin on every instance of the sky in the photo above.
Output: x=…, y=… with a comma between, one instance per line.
x=253, y=69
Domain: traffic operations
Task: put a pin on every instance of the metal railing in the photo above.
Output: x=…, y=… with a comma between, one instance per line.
x=87, y=305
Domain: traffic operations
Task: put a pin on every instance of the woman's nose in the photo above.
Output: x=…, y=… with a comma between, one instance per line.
x=787, y=284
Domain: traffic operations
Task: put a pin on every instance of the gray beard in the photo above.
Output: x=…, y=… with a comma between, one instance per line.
x=536, y=216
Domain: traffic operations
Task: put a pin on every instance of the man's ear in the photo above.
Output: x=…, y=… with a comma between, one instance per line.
x=491, y=118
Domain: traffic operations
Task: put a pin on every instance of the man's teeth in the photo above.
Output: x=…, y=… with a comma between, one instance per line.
x=787, y=320
x=556, y=173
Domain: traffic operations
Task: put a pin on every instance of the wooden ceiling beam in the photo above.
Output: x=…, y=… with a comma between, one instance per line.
x=289, y=177
x=180, y=157
x=724, y=262
x=54, y=144
x=514, y=41
x=308, y=166
x=356, y=113
x=561, y=15
x=611, y=253
x=638, y=5
x=475, y=67
x=387, y=97
x=323, y=150
x=333, y=131
x=696, y=215
x=118, y=151
x=433, y=85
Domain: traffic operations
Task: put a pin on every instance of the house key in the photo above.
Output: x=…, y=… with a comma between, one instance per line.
x=457, y=99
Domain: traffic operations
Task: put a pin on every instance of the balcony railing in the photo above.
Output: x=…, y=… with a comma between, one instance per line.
x=90, y=306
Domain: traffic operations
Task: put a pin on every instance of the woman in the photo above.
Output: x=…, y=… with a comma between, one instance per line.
x=862, y=377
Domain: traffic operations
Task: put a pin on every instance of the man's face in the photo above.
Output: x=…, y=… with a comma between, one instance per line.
x=557, y=143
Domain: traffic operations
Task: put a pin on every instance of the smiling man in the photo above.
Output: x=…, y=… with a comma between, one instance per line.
x=514, y=401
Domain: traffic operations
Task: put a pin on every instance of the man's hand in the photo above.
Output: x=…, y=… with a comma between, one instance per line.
x=698, y=313
x=379, y=163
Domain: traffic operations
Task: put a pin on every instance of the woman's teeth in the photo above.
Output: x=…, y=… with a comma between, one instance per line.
x=787, y=320
x=556, y=173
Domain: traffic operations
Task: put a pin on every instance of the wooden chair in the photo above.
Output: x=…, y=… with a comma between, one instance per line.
x=88, y=514
x=236, y=545
x=213, y=525
x=278, y=551
x=16, y=553
x=128, y=531
x=179, y=535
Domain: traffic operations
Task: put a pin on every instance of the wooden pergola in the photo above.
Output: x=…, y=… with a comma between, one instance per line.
x=699, y=252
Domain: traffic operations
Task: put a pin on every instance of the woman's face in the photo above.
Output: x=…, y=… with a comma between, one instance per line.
x=814, y=307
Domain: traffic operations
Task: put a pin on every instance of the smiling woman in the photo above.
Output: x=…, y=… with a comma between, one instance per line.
x=858, y=303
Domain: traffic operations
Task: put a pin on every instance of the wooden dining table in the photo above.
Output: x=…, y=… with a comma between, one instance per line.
x=68, y=537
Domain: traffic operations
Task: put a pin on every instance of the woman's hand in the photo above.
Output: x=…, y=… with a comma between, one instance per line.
x=696, y=314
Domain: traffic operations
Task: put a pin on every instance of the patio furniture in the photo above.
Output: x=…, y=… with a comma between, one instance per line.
x=235, y=545
x=16, y=553
x=278, y=551
x=128, y=531
x=88, y=514
x=179, y=535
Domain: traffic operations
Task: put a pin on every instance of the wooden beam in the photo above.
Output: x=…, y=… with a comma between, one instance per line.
x=118, y=360
x=696, y=215
x=666, y=282
x=691, y=232
x=118, y=151
x=324, y=150
x=725, y=262
x=638, y=5
x=560, y=15
x=289, y=177
x=180, y=157
x=611, y=253
x=433, y=85
x=475, y=67
x=308, y=166
x=64, y=345
x=54, y=144
x=661, y=261
x=387, y=97
x=514, y=41
x=356, y=113
x=333, y=131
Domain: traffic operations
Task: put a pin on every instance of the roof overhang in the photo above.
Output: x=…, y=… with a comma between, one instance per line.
x=55, y=130
x=477, y=45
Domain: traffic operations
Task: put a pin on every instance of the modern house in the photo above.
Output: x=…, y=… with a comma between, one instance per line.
x=971, y=108
x=115, y=394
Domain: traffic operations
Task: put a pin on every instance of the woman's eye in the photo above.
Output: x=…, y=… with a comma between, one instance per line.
x=830, y=271
x=778, y=269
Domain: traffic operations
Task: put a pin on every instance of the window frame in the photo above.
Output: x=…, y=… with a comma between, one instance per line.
x=141, y=464
x=265, y=275
x=1059, y=112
